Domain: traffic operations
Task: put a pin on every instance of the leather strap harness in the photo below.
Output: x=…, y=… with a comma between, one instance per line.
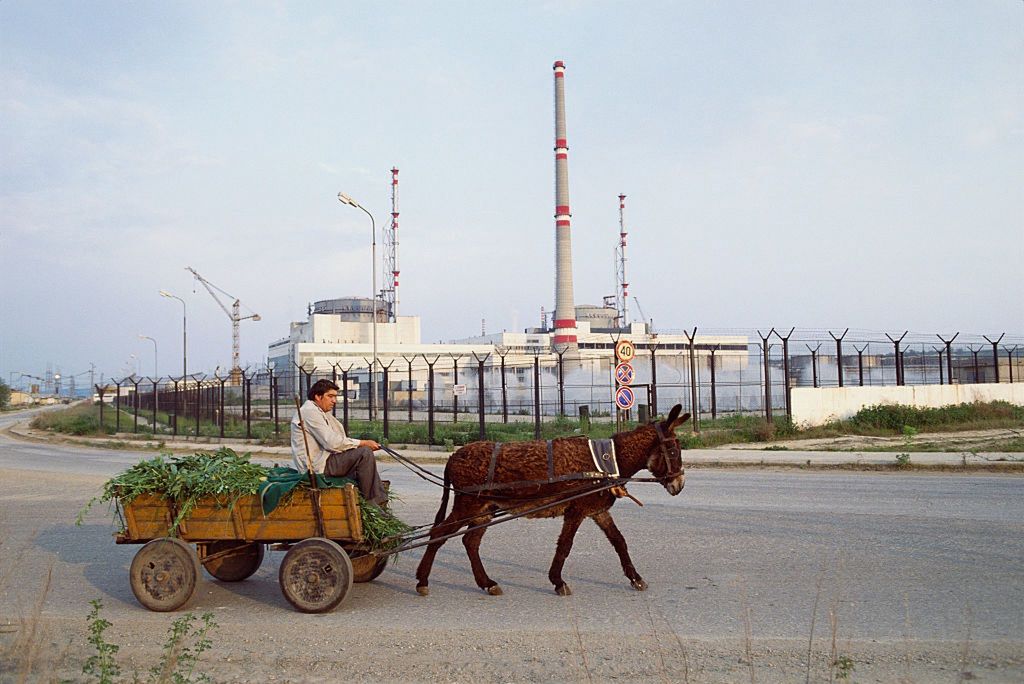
x=491, y=485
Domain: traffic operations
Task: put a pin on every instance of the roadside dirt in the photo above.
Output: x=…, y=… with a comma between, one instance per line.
x=970, y=440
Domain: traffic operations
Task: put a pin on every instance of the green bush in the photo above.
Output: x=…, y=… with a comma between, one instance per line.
x=895, y=417
x=81, y=425
x=83, y=419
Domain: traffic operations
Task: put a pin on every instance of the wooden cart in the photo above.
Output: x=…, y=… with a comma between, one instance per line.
x=316, y=573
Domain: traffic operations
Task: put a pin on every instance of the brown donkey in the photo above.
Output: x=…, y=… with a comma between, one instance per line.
x=519, y=476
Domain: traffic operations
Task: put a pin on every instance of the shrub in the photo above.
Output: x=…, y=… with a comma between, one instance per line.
x=763, y=431
x=897, y=417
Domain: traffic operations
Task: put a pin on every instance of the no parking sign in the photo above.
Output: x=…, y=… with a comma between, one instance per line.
x=624, y=398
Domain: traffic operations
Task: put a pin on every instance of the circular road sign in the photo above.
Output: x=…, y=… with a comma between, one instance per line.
x=624, y=398
x=624, y=374
x=625, y=351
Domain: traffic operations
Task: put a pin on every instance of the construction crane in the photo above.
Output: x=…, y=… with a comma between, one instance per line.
x=236, y=317
x=650, y=324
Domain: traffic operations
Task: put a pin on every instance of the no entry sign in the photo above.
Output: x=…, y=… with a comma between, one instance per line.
x=624, y=398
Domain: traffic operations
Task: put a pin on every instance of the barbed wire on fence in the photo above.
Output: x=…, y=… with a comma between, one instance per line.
x=709, y=378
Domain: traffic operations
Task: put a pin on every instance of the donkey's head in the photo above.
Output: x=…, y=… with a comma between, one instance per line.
x=665, y=461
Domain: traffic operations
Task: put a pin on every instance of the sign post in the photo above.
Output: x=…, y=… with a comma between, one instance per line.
x=625, y=352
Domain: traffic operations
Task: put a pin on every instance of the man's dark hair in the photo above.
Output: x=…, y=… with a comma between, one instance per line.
x=320, y=388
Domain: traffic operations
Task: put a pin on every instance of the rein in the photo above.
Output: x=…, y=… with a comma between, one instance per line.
x=435, y=479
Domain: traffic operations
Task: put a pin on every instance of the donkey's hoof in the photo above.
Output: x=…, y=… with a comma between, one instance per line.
x=423, y=590
x=639, y=584
x=494, y=590
x=563, y=590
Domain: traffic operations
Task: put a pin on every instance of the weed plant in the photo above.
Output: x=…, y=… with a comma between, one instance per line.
x=101, y=666
x=186, y=641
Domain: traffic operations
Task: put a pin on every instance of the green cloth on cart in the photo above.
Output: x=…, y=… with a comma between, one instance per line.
x=282, y=480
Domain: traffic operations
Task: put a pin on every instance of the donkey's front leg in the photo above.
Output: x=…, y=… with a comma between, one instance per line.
x=605, y=522
x=452, y=524
x=571, y=522
x=472, y=543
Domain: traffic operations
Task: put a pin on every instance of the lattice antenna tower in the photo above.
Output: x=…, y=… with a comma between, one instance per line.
x=390, y=292
x=621, y=284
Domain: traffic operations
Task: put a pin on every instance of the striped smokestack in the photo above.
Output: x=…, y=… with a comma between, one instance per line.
x=565, y=311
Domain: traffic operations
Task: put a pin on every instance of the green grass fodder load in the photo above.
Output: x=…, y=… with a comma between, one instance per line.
x=224, y=476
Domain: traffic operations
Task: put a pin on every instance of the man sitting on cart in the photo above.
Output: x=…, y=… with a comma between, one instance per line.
x=331, y=451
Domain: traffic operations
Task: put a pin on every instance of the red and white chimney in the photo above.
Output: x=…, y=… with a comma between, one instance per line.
x=565, y=311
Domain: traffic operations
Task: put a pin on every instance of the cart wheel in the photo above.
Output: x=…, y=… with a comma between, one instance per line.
x=241, y=562
x=367, y=568
x=315, y=575
x=163, y=574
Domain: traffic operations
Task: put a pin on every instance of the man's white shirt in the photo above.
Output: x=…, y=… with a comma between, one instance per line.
x=325, y=434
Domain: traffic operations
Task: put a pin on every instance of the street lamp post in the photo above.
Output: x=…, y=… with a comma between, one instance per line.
x=345, y=199
x=156, y=373
x=184, y=331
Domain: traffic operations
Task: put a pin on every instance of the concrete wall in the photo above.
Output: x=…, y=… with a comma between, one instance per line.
x=817, y=406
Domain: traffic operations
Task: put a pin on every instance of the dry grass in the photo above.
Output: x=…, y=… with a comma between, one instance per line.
x=18, y=654
x=21, y=653
x=31, y=636
x=814, y=617
x=747, y=632
x=965, y=673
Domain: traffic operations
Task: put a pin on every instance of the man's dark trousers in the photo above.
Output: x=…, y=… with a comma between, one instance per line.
x=360, y=465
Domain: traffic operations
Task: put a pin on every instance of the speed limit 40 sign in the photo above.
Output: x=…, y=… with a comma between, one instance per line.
x=625, y=351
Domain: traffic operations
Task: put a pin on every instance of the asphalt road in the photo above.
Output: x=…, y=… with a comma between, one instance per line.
x=919, y=576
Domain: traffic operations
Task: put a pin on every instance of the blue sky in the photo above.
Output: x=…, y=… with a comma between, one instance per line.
x=818, y=164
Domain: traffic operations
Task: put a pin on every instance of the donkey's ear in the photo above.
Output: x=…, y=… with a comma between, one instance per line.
x=679, y=421
x=674, y=413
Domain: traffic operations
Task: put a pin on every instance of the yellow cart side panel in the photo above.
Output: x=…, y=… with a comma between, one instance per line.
x=150, y=517
x=294, y=520
x=211, y=520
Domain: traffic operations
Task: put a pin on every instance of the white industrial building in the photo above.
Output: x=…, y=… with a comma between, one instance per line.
x=337, y=336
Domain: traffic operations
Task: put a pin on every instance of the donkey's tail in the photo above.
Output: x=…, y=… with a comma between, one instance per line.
x=441, y=512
